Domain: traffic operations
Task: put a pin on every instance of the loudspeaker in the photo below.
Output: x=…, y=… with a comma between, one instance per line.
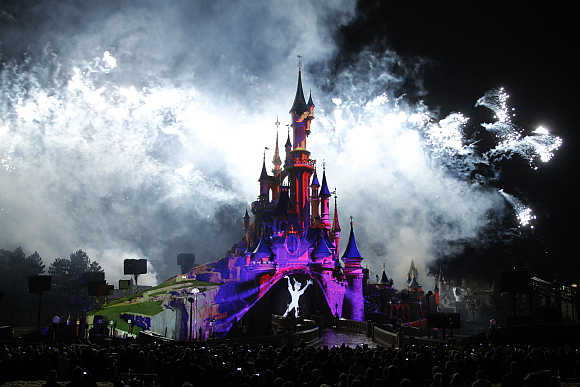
x=135, y=266
x=39, y=283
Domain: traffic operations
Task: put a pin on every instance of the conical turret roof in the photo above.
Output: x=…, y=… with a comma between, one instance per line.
x=321, y=250
x=315, y=182
x=276, y=159
x=288, y=143
x=335, y=222
x=263, y=174
x=351, y=248
x=324, y=191
x=310, y=103
x=384, y=278
x=299, y=105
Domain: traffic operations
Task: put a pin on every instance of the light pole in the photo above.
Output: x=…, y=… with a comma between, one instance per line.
x=194, y=292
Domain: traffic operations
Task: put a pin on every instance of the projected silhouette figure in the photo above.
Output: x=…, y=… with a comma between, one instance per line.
x=295, y=293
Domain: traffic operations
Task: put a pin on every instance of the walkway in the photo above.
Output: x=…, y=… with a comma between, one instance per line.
x=332, y=337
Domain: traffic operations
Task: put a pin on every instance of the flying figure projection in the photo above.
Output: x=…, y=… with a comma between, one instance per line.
x=296, y=291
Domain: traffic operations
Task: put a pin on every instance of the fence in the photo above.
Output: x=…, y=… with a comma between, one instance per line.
x=385, y=338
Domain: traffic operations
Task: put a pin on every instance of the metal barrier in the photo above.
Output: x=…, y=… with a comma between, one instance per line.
x=352, y=325
x=386, y=338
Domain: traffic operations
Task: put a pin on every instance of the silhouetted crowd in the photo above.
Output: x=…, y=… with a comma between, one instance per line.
x=177, y=364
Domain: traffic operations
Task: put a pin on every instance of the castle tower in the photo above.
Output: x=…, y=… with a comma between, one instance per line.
x=314, y=200
x=353, y=298
x=288, y=147
x=300, y=167
x=335, y=231
x=246, y=221
x=276, y=159
x=266, y=182
x=277, y=171
x=324, y=202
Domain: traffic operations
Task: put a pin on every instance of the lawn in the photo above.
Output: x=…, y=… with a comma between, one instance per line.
x=113, y=313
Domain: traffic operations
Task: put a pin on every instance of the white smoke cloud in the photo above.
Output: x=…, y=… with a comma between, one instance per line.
x=154, y=146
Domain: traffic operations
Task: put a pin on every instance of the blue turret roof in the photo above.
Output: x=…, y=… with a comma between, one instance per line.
x=321, y=250
x=263, y=174
x=288, y=143
x=262, y=250
x=299, y=105
x=310, y=103
x=384, y=278
x=324, y=191
x=351, y=249
x=315, y=182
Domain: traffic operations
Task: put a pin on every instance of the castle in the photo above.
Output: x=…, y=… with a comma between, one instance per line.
x=290, y=233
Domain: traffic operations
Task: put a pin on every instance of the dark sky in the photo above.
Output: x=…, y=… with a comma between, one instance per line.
x=458, y=52
x=471, y=48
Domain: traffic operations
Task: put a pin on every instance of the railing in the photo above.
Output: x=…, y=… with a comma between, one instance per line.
x=303, y=162
x=352, y=325
x=385, y=338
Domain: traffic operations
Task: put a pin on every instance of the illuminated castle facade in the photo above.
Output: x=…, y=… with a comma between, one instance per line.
x=290, y=238
x=290, y=233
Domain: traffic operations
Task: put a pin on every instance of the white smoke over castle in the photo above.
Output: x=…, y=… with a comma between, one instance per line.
x=150, y=148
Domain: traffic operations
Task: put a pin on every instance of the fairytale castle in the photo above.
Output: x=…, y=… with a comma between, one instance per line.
x=290, y=233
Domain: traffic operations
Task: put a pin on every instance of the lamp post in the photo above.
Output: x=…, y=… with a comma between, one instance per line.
x=194, y=292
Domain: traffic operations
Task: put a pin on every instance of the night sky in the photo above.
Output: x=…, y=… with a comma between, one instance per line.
x=152, y=181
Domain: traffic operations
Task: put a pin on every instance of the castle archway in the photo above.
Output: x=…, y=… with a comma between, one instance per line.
x=312, y=303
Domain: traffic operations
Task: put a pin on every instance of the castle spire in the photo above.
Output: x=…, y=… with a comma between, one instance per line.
x=263, y=174
x=310, y=103
x=351, y=248
x=324, y=191
x=315, y=182
x=276, y=159
x=335, y=223
x=299, y=105
x=324, y=199
x=288, y=143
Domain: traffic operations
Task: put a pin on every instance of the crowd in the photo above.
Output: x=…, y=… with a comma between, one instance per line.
x=175, y=364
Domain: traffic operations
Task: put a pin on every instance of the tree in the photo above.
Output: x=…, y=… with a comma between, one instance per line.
x=34, y=264
x=94, y=267
x=79, y=262
x=60, y=271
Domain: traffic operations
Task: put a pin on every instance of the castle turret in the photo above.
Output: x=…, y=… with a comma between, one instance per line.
x=276, y=159
x=246, y=221
x=354, y=303
x=288, y=147
x=324, y=202
x=299, y=166
x=315, y=200
x=276, y=170
x=299, y=112
x=335, y=231
x=310, y=106
x=264, y=179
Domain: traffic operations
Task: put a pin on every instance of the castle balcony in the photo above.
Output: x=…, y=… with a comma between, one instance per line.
x=302, y=160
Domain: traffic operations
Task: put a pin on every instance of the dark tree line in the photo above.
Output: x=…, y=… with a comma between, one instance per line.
x=68, y=294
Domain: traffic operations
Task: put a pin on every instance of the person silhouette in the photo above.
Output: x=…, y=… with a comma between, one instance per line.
x=296, y=291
